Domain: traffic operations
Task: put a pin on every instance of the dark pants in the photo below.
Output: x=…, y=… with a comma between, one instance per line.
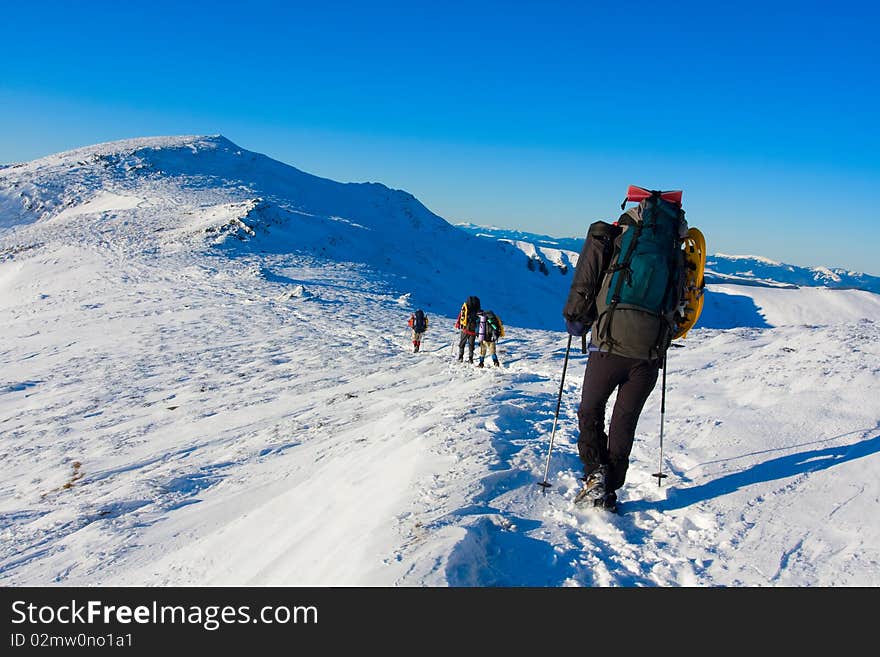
x=634, y=380
x=466, y=339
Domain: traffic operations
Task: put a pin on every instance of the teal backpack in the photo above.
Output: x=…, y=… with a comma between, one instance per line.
x=645, y=273
x=647, y=264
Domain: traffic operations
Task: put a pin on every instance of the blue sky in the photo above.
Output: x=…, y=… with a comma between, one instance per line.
x=529, y=115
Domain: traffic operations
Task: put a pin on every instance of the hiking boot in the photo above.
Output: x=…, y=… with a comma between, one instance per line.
x=495, y=362
x=609, y=502
x=471, y=360
x=480, y=364
x=460, y=359
x=594, y=488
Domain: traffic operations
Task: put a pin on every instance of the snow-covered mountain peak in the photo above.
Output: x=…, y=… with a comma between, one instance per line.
x=127, y=147
x=194, y=170
x=203, y=192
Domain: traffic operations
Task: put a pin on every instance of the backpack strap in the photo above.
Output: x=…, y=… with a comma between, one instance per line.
x=605, y=334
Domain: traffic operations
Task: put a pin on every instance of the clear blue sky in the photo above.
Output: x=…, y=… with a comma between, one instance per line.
x=529, y=115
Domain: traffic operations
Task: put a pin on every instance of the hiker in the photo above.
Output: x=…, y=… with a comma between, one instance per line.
x=629, y=334
x=489, y=329
x=418, y=322
x=467, y=323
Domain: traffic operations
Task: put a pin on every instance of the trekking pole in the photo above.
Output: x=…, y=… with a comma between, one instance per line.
x=545, y=484
x=660, y=476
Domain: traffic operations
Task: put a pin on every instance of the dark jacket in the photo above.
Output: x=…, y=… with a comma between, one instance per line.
x=471, y=308
x=594, y=258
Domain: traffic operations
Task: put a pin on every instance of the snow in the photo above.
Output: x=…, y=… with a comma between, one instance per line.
x=101, y=203
x=824, y=272
x=184, y=401
x=805, y=306
x=761, y=259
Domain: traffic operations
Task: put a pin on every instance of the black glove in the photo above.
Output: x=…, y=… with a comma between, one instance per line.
x=575, y=328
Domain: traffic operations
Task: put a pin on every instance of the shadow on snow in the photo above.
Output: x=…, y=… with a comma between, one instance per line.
x=726, y=311
x=778, y=468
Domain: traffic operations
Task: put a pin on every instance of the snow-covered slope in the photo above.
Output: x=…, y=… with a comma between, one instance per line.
x=162, y=194
x=181, y=406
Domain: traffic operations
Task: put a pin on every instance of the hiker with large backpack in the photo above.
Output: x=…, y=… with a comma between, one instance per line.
x=489, y=330
x=467, y=324
x=418, y=322
x=627, y=291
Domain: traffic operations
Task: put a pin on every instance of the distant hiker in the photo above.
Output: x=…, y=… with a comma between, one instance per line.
x=418, y=322
x=626, y=290
x=489, y=329
x=467, y=323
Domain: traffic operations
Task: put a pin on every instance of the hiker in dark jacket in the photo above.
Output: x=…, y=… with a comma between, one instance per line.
x=418, y=322
x=467, y=323
x=627, y=359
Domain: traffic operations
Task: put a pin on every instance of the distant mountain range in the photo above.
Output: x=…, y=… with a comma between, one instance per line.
x=720, y=268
